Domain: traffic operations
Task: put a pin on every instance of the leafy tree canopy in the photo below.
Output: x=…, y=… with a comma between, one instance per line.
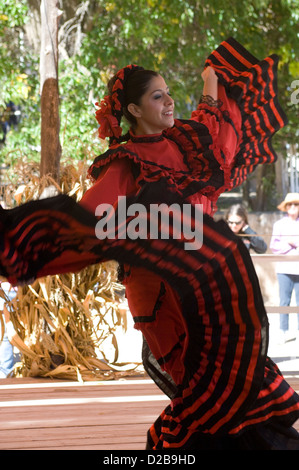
x=99, y=37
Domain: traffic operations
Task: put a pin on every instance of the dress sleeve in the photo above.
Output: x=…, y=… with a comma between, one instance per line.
x=223, y=121
x=251, y=86
x=116, y=179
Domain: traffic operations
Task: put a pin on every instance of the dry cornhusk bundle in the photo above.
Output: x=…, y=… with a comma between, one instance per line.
x=64, y=326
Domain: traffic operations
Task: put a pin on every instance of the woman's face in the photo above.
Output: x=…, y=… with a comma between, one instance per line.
x=293, y=210
x=155, y=112
x=236, y=223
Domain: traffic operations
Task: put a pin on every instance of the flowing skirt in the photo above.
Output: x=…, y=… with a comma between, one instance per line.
x=225, y=386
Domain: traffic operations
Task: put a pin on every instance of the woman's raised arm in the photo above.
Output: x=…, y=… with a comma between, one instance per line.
x=210, y=79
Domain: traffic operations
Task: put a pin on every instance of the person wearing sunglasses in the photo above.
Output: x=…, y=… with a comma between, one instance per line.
x=285, y=241
x=237, y=220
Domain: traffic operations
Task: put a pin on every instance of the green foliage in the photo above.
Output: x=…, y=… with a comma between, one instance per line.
x=12, y=15
x=175, y=37
x=78, y=124
x=18, y=80
x=12, y=77
x=171, y=36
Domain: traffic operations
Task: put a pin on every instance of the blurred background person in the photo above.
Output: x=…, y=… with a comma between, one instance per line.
x=237, y=219
x=285, y=241
x=7, y=355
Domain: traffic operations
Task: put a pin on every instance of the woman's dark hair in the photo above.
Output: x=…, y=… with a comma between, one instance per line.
x=237, y=209
x=135, y=85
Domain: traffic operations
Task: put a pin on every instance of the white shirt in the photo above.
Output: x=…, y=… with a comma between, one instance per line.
x=284, y=230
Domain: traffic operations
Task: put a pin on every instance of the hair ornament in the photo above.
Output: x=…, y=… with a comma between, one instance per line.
x=110, y=109
x=109, y=125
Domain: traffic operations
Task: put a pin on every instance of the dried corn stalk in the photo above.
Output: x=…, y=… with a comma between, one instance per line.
x=64, y=325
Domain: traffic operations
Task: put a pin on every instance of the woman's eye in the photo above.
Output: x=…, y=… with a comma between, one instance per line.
x=157, y=97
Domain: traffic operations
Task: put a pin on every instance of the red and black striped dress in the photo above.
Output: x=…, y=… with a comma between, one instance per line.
x=201, y=311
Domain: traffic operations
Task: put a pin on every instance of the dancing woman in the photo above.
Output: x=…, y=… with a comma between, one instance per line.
x=200, y=311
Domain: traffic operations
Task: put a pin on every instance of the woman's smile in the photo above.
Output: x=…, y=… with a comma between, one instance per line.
x=155, y=112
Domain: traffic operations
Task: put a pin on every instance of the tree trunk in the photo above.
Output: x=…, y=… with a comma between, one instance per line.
x=50, y=122
x=259, y=201
x=280, y=178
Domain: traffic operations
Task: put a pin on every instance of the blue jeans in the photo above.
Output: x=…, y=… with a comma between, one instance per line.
x=7, y=359
x=287, y=283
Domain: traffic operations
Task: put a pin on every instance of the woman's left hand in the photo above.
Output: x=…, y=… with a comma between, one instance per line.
x=209, y=74
x=210, y=83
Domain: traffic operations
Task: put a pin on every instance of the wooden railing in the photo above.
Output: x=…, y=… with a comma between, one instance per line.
x=267, y=258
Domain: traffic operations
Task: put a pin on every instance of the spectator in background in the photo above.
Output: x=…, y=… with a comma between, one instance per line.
x=285, y=241
x=9, y=119
x=237, y=219
x=7, y=357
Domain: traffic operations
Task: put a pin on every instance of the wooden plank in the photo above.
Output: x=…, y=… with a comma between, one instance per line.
x=269, y=257
x=119, y=422
x=281, y=309
x=45, y=415
x=67, y=437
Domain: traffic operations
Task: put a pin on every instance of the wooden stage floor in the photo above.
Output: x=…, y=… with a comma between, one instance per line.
x=56, y=415
x=38, y=414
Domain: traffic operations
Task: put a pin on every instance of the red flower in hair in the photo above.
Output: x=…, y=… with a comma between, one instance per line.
x=116, y=87
x=109, y=126
x=121, y=74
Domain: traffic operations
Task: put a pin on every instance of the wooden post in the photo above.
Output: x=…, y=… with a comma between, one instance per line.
x=50, y=122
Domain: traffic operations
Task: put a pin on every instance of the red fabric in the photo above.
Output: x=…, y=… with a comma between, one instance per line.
x=210, y=329
x=199, y=159
x=217, y=343
x=166, y=332
x=223, y=134
x=165, y=154
x=142, y=287
x=181, y=155
x=115, y=180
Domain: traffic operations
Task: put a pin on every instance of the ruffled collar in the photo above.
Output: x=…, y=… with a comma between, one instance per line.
x=146, y=138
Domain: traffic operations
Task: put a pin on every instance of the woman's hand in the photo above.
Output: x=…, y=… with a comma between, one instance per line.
x=210, y=83
x=209, y=74
x=293, y=241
